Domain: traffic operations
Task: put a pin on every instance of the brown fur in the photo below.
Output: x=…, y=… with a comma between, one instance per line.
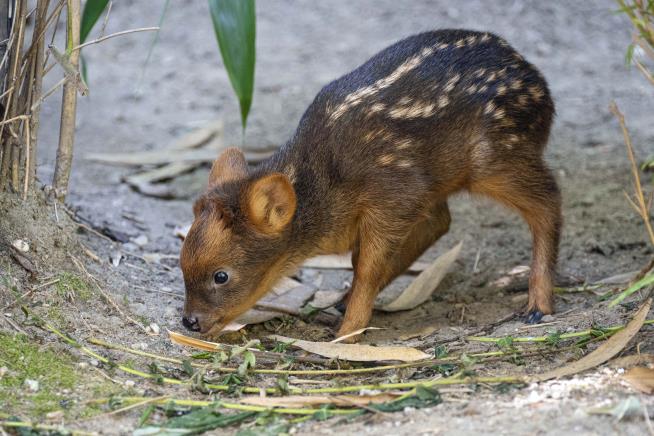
x=369, y=170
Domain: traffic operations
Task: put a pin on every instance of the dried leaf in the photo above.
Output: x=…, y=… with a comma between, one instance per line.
x=325, y=299
x=354, y=333
x=633, y=360
x=180, y=339
x=424, y=285
x=357, y=352
x=604, y=352
x=641, y=378
x=344, y=261
x=319, y=400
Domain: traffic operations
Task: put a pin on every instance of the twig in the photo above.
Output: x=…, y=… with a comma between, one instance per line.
x=113, y=35
x=640, y=197
x=106, y=296
x=570, y=335
x=53, y=428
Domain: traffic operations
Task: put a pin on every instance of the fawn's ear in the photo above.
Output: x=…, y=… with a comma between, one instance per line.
x=270, y=203
x=229, y=166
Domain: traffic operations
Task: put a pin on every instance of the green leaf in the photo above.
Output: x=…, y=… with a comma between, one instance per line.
x=234, y=22
x=645, y=281
x=93, y=9
x=196, y=422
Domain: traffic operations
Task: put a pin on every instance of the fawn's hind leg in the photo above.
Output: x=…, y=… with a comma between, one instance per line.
x=377, y=262
x=531, y=189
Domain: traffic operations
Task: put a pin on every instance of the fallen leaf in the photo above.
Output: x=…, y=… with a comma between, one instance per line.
x=319, y=400
x=354, y=333
x=604, y=352
x=520, y=269
x=344, y=261
x=325, y=299
x=357, y=352
x=633, y=360
x=641, y=378
x=424, y=285
x=180, y=339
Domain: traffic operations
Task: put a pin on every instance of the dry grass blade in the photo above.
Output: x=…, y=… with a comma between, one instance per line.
x=357, y=352
x=424, y=285
x=641, y=378
x=187, y=341
x=604, y=352
x=320, y=400
x=639, y=194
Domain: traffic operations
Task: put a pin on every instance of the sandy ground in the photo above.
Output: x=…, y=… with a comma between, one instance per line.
x=302, y=45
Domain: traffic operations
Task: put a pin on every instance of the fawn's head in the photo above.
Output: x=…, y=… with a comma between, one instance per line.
x=235, y=250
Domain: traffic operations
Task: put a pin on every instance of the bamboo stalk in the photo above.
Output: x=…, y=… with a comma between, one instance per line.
x=54, y=428
x=570, y=335
x=11, y=154
x=227, y=405
x=38, y=44
x=68, y=106
x=316, y=372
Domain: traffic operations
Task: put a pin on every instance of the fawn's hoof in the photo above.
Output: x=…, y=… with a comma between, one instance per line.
x=534, y=317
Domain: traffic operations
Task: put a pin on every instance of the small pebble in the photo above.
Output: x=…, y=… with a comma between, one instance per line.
x=32, y=385
x=548, y=318
x=82, y=365
x=129, y=383
x=154, y=328
x=94, y=362
x=140, y=240
x=56, y=416
x=21, y=245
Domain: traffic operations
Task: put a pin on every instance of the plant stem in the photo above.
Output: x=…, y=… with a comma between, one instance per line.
x=545, y=338
x=68, y=106
x=54, y=428
x=641, y=207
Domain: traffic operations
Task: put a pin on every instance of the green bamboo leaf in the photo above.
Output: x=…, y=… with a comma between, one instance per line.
x=92, y=11
x=645, y=281
x=235, y=25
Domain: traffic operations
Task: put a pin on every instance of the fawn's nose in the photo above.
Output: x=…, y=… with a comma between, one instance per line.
x=191, y=323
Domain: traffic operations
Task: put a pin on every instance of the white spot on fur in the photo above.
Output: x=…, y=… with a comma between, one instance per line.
x=485, y=37
x=501, y=90
x=404, y=144
x=451, y=83
x=355, y=98
x=443, y=100
x=404, y=163
x=489, y=108
x=415, y=110
x=386, y=159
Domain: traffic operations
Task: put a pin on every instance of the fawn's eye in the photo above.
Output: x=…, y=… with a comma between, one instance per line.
x=220, y=277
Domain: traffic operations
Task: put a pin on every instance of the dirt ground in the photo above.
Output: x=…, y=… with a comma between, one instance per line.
x=301, y=45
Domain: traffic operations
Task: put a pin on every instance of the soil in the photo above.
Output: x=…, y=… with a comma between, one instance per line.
x=580, y=48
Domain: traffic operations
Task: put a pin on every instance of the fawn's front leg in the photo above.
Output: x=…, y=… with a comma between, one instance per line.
x=376, y=263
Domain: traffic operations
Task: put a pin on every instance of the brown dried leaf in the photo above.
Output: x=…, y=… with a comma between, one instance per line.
x=319, y=400
x=633, y=360
x=604, y=352
x=641, y=378
x=425, y=284
x=180, y=339
x=357, y=352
